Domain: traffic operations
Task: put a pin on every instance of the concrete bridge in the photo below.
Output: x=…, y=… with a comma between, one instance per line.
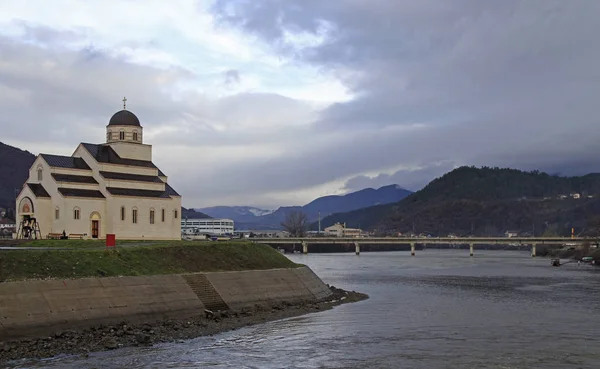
x=472, y=241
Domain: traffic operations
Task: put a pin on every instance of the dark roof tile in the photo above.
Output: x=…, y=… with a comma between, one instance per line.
x=73, y=178
x=60, y=161
x=130, y=177
x=170, y=190
x=77, y=192
x=106, y=154
x=134, y=192
x=38, y=190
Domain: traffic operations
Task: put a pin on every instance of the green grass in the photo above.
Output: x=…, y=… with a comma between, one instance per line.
x=161, y=257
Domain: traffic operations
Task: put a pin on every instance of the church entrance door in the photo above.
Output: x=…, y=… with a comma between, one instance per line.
x=95, y=228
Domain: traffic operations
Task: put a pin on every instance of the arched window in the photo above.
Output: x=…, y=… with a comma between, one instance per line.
x=175, y=214
x=108, y=136
x=56, y=213
x=135, y=136
x=151, y=216
x=121, y=135
x=76, y=213
x=122, y=213
x=134, y=214
x=163, y=214
x=40, y=174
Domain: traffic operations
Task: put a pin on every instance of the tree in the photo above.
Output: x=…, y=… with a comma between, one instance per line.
x=296, y=223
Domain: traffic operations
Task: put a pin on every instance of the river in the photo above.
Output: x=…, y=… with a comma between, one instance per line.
x=439, y=309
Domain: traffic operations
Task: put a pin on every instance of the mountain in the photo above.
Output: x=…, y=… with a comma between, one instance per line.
x=487, y=201
x=249, y=217
x=235, y=213
x=192, y=214
x=14, y=170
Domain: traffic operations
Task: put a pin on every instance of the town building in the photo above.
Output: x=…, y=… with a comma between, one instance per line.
x=108, y=188
x=210, y=226
x=340, y=230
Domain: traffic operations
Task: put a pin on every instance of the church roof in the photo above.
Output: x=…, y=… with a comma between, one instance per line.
x=130, y=177
x=73, y=178
x=77, y=192
x=124, y=118
x=106, y=154
x=59, y=161
x=170, y=190
x=38, y=190
x=134, y=192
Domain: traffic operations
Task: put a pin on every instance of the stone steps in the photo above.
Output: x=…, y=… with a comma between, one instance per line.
x=205, y=292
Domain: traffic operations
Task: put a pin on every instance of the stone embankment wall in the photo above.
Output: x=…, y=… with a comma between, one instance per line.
x=37, y=308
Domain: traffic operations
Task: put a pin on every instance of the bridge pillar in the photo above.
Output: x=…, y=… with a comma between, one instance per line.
x=471, y=250
x=412, y=249
x=304, y=247
x=533, y=250
x=357, y=248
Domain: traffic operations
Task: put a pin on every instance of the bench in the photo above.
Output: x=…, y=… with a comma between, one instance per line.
x=54, y=236
x=78, y=236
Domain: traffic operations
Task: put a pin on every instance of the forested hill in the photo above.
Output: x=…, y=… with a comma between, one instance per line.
x=14, y=170
x=487, y=201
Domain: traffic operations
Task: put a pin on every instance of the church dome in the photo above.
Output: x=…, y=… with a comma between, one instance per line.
x=124, y=118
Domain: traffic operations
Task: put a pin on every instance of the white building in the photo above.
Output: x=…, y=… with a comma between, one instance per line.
x=109, y=188
x=340, y=230
x=211, y=226
x=5, y=223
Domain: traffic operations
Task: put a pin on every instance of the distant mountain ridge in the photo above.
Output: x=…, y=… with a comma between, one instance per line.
x=487, y=201
x=251, y=217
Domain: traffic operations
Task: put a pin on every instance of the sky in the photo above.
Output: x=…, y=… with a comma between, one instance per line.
x=271, y=102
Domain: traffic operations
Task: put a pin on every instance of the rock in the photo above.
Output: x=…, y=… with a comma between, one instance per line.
x=109, y=343
x=142, y=338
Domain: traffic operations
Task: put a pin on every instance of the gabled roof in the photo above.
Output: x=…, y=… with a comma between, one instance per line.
x=170, y=190
x=76, y=192
x=38, y=190
x=130, y=177
x=106, y=154
x=134, y=192
x=59, y=161
x=73, y=178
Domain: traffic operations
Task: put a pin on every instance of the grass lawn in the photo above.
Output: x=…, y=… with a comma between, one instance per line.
x=91, y=259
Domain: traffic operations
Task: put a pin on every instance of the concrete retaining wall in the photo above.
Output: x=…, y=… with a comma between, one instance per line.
x=243, y=289
x=37, y=308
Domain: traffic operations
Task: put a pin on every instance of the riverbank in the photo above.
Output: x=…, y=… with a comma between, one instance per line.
x=88, y=258
x=125, y=334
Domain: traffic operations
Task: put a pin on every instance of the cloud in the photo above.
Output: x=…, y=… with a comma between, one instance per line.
x=232, y=77
x=511, y=83
x=411, y=179
x=273, y=103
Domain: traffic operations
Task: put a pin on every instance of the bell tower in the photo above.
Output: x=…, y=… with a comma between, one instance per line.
x=124, y=134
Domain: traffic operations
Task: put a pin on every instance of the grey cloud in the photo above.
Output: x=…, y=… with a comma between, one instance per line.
x=410, y=179
x=231, y=77
x=502, y=83
x=467, y=82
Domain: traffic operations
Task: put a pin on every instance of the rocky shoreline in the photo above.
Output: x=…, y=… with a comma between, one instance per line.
x=110, y=337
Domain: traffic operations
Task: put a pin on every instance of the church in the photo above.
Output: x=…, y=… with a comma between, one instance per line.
x=109, y=188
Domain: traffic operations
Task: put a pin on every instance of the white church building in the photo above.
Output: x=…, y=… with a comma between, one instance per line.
x=109, y=188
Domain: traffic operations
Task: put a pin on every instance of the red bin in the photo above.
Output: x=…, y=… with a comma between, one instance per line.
x=110, y=240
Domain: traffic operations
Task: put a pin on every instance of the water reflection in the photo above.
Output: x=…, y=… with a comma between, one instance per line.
x=440, y=309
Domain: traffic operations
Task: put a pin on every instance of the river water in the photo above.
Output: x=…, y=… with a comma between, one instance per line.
x=439, y=309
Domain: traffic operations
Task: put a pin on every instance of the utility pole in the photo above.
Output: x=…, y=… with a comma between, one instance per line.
x=319, y=224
